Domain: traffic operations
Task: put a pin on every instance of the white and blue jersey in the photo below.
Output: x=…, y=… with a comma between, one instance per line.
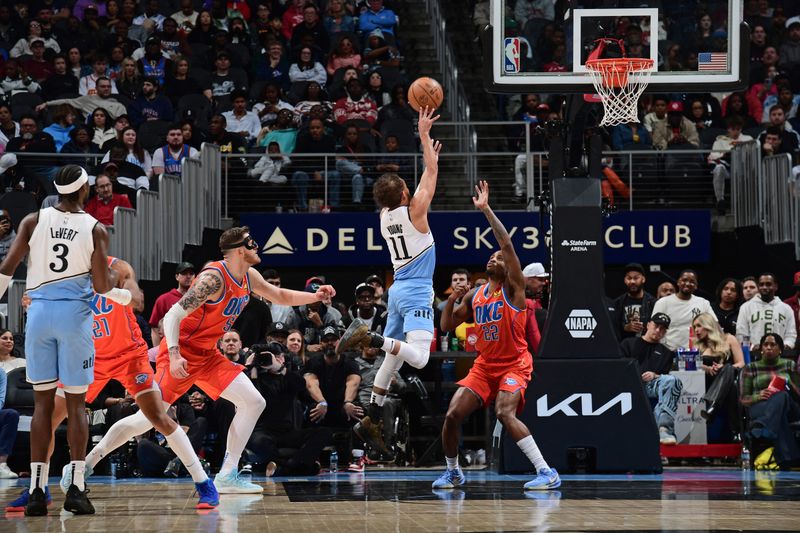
x=413, y=256
x=58, y=332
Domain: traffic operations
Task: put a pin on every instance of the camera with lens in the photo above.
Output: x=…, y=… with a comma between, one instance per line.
x=264, y=352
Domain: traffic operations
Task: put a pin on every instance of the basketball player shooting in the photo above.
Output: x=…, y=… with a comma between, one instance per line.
x=502, y=370
x=404, y=226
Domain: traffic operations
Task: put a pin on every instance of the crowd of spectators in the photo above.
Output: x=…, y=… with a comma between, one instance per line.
x=766, y=110
x=156, y=79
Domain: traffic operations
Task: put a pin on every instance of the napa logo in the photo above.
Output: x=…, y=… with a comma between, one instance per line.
x=580, y=323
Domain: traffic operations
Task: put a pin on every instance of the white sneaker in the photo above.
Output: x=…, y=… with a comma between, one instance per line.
x=6, y=473
x=233, y=484
x=665, y=437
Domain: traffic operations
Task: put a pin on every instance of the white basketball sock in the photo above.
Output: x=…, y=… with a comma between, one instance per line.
x=452, y=462
x=78, y=470
x=182, y=446
x=249, y=405
x=39, y=475
x=531, y=450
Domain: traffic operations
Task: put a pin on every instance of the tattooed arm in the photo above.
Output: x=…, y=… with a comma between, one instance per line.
x=515, y=281
x=208, y=286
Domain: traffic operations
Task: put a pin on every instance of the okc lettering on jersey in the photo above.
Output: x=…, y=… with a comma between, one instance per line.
x=101, y=306
x=489, y=312
x=234, y=309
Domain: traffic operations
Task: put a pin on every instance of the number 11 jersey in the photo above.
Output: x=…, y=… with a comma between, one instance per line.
x=60, y=258
x=413, y=253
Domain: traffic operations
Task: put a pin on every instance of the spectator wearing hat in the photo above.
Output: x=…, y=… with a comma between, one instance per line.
x=312, y=318
x=380, y=289
x=377, y=53
x=536, y=280
x=184, y=275
x=655, y=361
x=677, y=131
x=152, y=61
x=632, y=309
x=366, y=310
x=224, y=81
x=150, y=105
x=793, y=301
x=37, y=66
x=103, y=203
x=9, y=177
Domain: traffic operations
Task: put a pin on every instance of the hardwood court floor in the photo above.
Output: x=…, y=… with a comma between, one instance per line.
x=392, y=501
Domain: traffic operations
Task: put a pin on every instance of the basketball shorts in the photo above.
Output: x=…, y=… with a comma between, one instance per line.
x=486, y=380
x=58, y=342
x=410, y=307
x=210, y=371
x=131, y=369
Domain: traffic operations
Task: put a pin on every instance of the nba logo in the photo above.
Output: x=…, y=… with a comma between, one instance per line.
x=511, y=54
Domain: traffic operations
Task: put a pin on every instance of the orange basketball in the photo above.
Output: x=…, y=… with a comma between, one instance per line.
x=425, y=92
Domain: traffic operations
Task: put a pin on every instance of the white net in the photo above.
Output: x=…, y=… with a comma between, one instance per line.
x=620, y=83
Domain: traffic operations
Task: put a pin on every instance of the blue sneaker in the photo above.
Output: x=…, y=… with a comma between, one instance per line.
x=235, y=484
x=18, y=505
x=544, y=480
x=66, y=476
x=209, y=497
x=450, y=479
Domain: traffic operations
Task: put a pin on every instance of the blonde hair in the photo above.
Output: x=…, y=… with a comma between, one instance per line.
x=715, y=342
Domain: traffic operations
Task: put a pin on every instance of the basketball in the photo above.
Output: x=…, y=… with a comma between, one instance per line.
x=425, y=92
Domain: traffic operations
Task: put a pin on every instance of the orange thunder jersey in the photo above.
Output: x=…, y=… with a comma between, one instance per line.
x=115, y=330
x=201, y=330
x=501, y=327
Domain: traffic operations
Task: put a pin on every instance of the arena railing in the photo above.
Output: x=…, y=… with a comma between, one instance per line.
x=746, y=184
x=16, y=315
x=777, y=199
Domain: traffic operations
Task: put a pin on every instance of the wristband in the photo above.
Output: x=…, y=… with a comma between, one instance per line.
x=323, y=403
x=121, y=296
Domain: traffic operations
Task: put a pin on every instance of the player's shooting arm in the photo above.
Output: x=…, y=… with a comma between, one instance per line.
x=430, y=156
x=454, y=314
x=515, y=281
x=277, y=295
x=19, y=249
x=207, y=287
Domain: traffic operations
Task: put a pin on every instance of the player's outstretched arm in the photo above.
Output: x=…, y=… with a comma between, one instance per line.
x=103, y=278
x=430, y=156
x=19, y=249
x=454, y=314
x=515, y=281
x=263, y=288
x=207, y=286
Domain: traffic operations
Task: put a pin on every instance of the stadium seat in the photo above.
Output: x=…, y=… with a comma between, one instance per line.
x=29, y=100
x=196, y=107
x=153, y=134
x=403, y=130
x=709, y=135
x=19, y=393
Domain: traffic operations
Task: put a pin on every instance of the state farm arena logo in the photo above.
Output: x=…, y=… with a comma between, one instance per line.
x=578, y=245
x=580, y=323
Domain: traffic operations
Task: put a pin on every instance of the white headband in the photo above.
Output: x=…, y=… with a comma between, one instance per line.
x=75, y=185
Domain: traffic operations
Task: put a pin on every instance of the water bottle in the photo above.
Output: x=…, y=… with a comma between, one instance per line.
x=681, y=360
x=746, y=349
x=745, y=458
x=334, y=462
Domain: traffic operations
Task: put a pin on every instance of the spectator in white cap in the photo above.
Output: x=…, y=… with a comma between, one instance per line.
x=6, y=162
x=536, y=278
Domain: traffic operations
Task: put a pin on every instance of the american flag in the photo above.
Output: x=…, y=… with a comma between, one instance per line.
x=712, y=61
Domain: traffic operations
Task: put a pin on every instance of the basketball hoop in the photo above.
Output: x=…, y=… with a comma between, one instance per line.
x=620, y=83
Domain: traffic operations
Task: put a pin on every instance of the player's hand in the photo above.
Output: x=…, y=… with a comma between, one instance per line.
x=481, y=198
x=318, y=412
x=426, y=120
x=325, y=292
x=178, y=367
x=458, y=292
x=352, y=410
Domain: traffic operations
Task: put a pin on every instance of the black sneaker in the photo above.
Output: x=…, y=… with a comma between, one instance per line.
x=37, y=503
x=77, y=501
x=173, y=468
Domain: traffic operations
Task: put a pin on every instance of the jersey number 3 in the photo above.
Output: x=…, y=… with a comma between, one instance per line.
x=401, y=241
x=61, y=250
